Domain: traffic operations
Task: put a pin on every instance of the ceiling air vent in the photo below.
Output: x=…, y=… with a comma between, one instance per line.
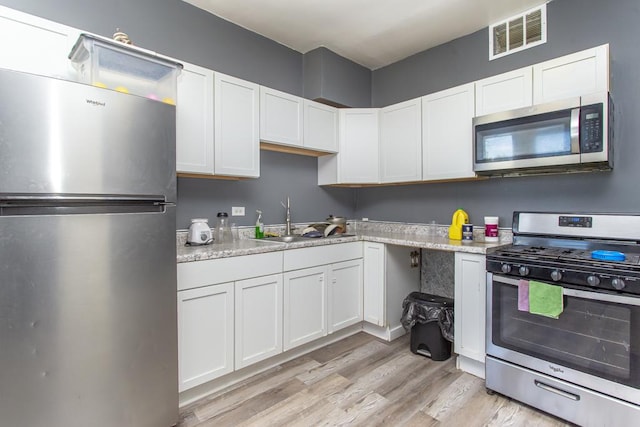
x=518, y=32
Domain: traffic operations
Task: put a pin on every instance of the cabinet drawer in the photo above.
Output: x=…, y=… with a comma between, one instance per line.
x=209, y=272
x=296, y=259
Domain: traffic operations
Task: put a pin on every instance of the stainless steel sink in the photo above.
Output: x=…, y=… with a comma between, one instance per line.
x=297, y=238
x=286, y=239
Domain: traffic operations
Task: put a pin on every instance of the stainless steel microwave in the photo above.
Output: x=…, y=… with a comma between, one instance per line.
x=562, y=136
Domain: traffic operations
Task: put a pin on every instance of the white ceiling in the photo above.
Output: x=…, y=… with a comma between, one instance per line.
x=373, y=33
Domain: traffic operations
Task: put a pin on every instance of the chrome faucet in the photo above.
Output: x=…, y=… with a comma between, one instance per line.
x=287, y=231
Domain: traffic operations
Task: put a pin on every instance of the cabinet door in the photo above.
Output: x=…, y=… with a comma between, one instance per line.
x=280, y=117
x=194, y=120
x=505, y=91
x=358, y=156
x=258, y=314
x=205, y=334
x=401, y=142
x=320, y=127
x=572, y=75
x=305, y=306
x=237, y=127
x=469, y=308
x=374, y=283
x=344, y=294
x=35, y=45
x=447, y=134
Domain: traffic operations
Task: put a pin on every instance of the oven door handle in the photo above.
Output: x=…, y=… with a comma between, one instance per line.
x=596, y=296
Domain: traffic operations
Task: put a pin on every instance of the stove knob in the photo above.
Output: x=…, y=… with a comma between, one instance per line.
x=593, y=281
x=618, y=284
x=556, y=275
x=523, y=271
x=506, y=268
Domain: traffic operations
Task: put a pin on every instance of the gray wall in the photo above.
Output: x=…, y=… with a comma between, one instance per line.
x=177, y=29
x=286, y=175
x=573, y=25
x=331, y=77
x=180, y=30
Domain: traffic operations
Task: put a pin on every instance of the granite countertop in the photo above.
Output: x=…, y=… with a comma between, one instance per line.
x=415, y=235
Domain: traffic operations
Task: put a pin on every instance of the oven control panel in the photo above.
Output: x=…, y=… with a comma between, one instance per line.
x=575, y=221
x=564, y=276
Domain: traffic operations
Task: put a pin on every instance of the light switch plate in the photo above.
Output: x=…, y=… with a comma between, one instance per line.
x=237, y=211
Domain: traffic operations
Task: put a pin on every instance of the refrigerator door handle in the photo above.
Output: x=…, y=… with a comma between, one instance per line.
x=62, y=204
x=58, y=199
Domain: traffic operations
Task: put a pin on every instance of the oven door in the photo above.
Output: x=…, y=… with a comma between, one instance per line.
x=595, y=342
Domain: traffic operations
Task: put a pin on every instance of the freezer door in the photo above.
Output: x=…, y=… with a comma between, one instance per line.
x=88, y=329
x=64, y=137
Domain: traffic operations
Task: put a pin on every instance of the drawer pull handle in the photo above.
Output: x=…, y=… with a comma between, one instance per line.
x=557, y=391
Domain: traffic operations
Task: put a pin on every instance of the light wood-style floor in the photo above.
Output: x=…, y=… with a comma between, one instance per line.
x=362, y=381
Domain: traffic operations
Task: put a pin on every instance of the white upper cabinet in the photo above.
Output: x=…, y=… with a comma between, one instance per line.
x=281, y=117
x=237, y=127
x=401, y=142
x=358, y=160
x=217, y=124
x=447, y=134
x=194, y=120
x=320, y=127
x=36, y=45
x=505, y=91
x=572, y=75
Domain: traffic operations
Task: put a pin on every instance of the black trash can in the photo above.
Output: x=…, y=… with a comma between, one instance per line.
x=430, y=319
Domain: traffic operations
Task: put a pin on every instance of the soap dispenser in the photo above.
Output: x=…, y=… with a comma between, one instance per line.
x=455, y=229
x=259, y=226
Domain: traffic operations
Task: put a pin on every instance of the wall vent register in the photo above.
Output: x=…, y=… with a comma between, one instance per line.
x=518, y=32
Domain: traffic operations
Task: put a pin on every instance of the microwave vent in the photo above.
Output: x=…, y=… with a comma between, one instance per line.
x=518, y=32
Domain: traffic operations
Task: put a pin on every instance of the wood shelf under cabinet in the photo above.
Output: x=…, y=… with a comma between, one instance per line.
x=292, y=150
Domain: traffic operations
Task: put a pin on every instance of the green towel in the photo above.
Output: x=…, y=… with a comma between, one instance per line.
x=545, y=300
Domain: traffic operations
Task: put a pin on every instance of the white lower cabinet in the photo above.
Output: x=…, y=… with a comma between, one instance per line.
x=205, y=334
x=229, y=319
x=374, y=298
x=258, y=319
x=305, y=306
x=388, y=279
x=344, y=294
x=469, y=311
x=322, y=293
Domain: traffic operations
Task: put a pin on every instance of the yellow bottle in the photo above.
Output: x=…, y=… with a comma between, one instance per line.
x=455, y=229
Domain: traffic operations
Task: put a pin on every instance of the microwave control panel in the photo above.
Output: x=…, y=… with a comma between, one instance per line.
x=591, y=128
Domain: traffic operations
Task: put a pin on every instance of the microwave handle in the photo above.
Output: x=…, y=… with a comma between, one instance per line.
x=575, y=131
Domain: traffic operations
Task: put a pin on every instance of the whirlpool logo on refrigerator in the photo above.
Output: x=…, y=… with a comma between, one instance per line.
x=96, y=103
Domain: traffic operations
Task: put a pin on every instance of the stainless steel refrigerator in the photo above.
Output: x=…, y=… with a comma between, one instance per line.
x=87, y=256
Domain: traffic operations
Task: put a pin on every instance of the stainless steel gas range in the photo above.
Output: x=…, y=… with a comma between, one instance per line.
x=580, y=358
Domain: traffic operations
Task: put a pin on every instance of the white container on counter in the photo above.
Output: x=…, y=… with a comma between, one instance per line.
x=491, y=229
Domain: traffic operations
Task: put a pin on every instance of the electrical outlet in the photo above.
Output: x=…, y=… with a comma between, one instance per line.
x=237, y=211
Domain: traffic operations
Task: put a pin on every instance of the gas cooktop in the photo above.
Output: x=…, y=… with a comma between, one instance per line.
x=579, y=251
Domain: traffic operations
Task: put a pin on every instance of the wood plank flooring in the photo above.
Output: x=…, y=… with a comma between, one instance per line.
x=362, y=381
